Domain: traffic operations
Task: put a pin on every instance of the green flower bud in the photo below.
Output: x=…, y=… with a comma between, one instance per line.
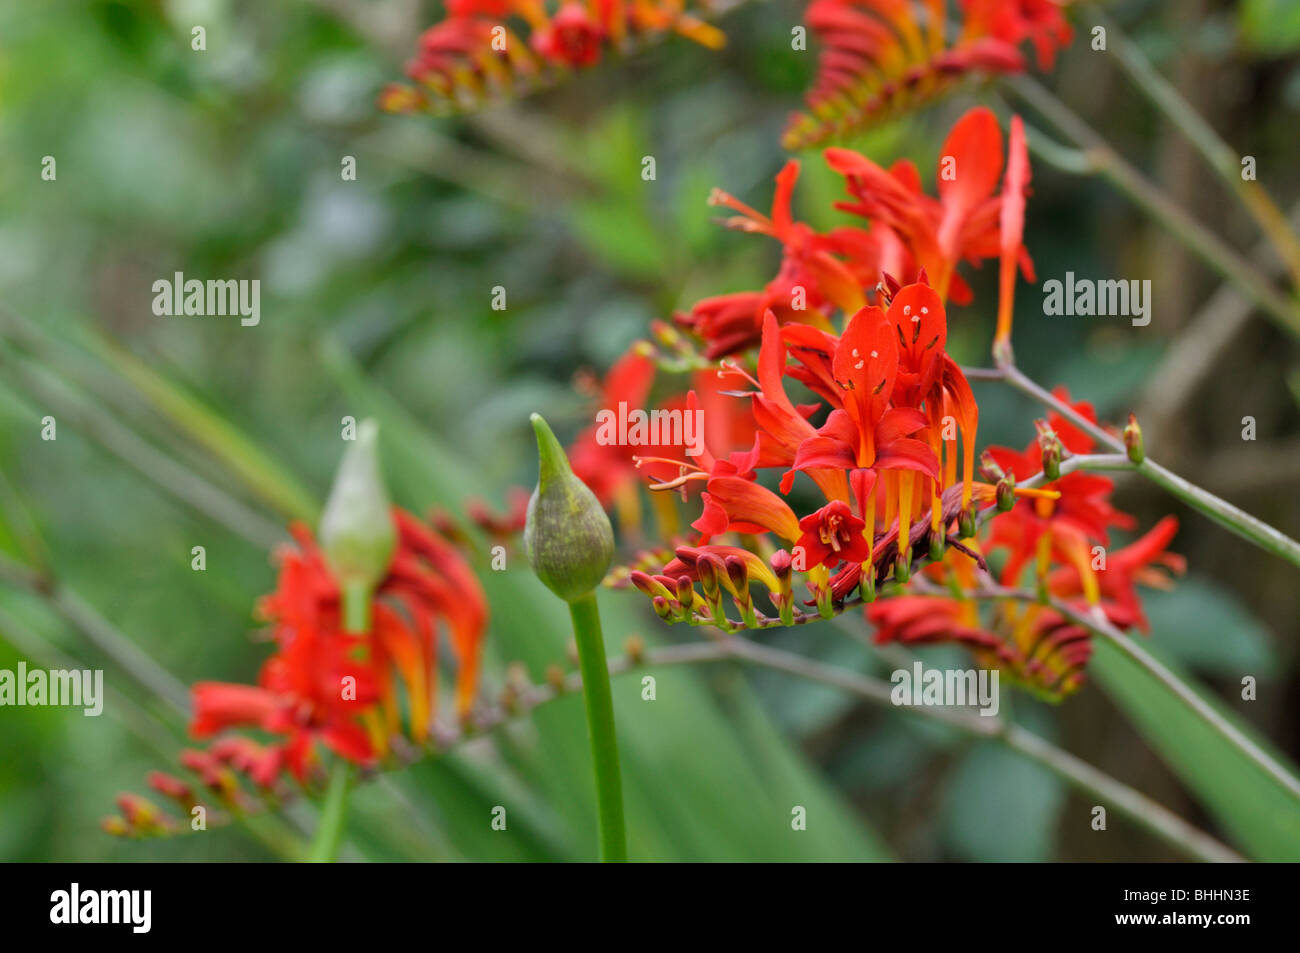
x=567, y=537
x=1133, y=440
x=357, y=534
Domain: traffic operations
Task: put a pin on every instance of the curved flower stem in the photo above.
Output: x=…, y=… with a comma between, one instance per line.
x=1133, y=804
x=1101, y=626
x=600, y=727
x=1221, y=157
x=1102, y=159
x=329, y=832
x=1238, y=521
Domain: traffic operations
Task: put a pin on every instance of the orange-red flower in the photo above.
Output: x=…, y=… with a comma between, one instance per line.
x=480, y=49
x=326, y=686
x=962, y=224
x=1064, y=529
x=882, y=57
x=832, y=534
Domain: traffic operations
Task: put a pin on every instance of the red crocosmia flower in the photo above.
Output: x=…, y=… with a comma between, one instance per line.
x=807, y=262
x=1125, y=568
x=880, y=58
x=572, y=37
x=832, y=534
x=914, y=620
x=962, y=224
x=865, y=432
x=326, y=686
x=609, y=469
x=865, y=435
x=1014, y=21
x=1064, y=528
x=733, y=504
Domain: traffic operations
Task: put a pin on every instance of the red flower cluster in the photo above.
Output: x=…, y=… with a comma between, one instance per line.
x=349, y=692
x=480, y=48
x=910, y=233
x=890, y=442
x=883, y=57
x=1065, y=540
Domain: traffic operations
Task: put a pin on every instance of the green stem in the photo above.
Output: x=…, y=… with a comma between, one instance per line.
x=1266, y=537
x=356, y=606
x=600, y=727
x=1221, y=157
x=329, y=831
x=1105, y=161
x=1098, y=624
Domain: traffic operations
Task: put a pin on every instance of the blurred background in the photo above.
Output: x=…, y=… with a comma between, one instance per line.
x=376, y=300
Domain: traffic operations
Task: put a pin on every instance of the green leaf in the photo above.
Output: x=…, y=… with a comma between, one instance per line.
x=1262, y=817
x=1206, y=628
x=1270, y=27
x=1001, y=807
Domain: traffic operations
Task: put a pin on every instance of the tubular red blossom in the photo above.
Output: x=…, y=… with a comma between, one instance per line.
x=1125, y=568
x=326, y=686
x=1011, y=224
x=479, y=51
x=833, y=534
x=733, y=504
x=573, y=38
x=883, y=57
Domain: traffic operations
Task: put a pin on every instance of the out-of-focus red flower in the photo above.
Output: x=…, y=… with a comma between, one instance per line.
x=1041, y=22
x=609, y=469
x=490, y=47
x=1064, y=529
x=326, y=686
x=1125, y=568
x=880, y=58
x=962, y=224
x=573, y=37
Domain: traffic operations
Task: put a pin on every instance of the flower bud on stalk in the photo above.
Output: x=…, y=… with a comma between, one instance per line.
x=357, y=534
x=1052, y=450
x=570, y=546
x=966, y=522
x=989, y=469
x=1006, y=493
x=937, y=546
x=783, y=598
x=903, y=566
x=738, y=575
x=685, y=591
x=712, y=571
x=567, y=537
x=1133, y=440
x=867, y=584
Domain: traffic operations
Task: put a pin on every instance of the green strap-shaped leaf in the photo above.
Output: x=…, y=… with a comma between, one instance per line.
x=1259, y=815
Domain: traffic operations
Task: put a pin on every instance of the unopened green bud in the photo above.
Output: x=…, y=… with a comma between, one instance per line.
x=357, y=535
x=936, y=546
x=966, y=524
x=903, y=566
x=1050, y=444
x=1006, y=492
x=1133, y=440
x=567, y=536
x=868, y=584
